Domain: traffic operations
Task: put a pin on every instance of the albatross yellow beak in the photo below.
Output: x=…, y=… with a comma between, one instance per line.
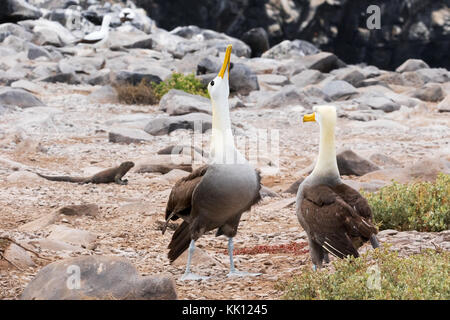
x=226, y=62
x=309, y=117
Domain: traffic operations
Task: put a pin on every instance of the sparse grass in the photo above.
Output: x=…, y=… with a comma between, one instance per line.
x=143, y=93
x=421, y=206
x=377, y=274
x=151, y=93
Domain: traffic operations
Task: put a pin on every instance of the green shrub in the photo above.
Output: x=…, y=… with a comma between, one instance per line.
x=189, y=84
x=143, y=93
x=420, y=276
x=421, y=206
x=151, y=93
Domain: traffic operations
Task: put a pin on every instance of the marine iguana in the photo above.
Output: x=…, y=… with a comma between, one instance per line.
x=106, y=176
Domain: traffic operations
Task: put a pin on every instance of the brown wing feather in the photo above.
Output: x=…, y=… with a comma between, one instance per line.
x=181, y=195
x=355, y=200
x=332, y=221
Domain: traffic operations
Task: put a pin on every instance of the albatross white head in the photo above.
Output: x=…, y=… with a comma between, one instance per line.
x=326, y=166
x=222, y=150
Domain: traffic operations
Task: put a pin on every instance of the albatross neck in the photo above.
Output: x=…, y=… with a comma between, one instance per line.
x=223, y=149
x=326, y=166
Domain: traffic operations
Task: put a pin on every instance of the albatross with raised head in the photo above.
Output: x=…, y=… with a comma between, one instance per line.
x=337, y=218
x=216, y=195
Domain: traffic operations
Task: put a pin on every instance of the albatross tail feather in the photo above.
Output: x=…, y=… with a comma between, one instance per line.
x=180, y=241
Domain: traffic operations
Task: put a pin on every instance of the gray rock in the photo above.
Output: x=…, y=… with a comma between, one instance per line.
x=135, y=78
x=444, y=105
x=35, y=52
x=48, y=32
x=101, y=277
x=14, y=29
x=102, y=77
x=431, y=92
x=197, y=39
x=273, y=79
x=209, y=64
x=18, y=97
x=378, y=103
x=288, y=49
x=78, y=237
x=14, y=10
x=129, y=40
x=351, y=75
x=258, y=41
x=267, y=192
x=18, y=256
x=81, y=65
x=80, y=210
x=177, y=102
x=27, y=85
x=437, y=75
x=307, y=77
x=349, y=163
x=384, y=160
x=323, y=61
x=412, y=65
x=191, y=121
x=128, y=135
x=288, y=96
x=338, y=89
x=242, y=79
x=69, y=78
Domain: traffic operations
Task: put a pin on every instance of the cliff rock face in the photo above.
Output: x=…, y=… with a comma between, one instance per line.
x=409, y=28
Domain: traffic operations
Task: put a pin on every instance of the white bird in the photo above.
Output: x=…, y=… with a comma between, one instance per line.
x=98, y=38
x=215, y=195
x=127, y=14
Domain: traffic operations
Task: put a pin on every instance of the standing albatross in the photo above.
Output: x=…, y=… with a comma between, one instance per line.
x=213, y=196
x=336, y=218
x=98, y=38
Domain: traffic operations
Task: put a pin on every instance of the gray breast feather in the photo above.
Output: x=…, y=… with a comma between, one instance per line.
x=228, y=188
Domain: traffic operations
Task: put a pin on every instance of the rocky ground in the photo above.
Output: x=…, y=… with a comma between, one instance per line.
x=60, y=115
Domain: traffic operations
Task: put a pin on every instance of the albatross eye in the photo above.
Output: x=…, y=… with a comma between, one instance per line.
x=212, y=83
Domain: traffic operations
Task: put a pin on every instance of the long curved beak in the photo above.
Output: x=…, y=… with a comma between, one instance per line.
x=226, y=62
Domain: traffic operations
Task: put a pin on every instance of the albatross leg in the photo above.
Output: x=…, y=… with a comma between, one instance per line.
x=188, y=275
x=233, y=272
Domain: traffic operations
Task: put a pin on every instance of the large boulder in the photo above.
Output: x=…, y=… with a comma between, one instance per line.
x=338, y=89
x=134, y=78
x=198, y=39
x=412, y=65
x=242, y=78
x=258, y=41
x=18, y=97
x=97, y=277
x=349, y=163
x=16, y=10
x=177, y=102
x=431, y=92
x=289, y=49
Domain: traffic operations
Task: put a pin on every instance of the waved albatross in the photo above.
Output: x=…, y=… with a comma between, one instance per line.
x=97, y=38
x=214, y=196
x=336, y=218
